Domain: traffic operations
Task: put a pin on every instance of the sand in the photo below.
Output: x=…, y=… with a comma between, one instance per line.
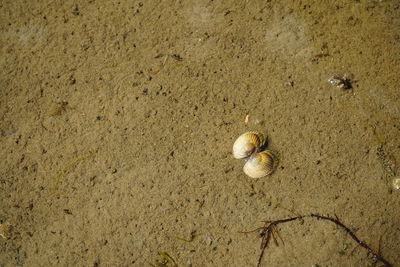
x=118, y=120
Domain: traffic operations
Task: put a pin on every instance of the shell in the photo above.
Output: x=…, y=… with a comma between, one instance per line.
x=261, y=164
x=248, y=143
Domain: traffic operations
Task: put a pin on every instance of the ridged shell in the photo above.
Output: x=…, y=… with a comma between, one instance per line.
x=261, y=164
x=248, y=143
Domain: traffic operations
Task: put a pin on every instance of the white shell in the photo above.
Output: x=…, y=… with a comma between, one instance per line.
x=261, y=164
x=248, y=143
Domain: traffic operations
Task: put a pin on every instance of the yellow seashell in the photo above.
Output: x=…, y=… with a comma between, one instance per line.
x=261, y=164
x=249, y=143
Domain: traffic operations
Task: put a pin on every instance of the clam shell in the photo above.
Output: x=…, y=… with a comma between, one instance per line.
x=261, y=164
x=248, y=143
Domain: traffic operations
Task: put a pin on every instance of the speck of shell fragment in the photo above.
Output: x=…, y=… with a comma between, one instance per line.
x=396, y=183
x=5, y=230
x=343, y=82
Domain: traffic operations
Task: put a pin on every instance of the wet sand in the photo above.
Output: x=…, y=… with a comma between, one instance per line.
x=118, y=119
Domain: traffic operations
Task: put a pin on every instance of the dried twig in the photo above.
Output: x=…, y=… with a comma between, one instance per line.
x=269, y=230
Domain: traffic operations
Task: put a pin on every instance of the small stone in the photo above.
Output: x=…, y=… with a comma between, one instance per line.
x=208, y=241
x=396, y=183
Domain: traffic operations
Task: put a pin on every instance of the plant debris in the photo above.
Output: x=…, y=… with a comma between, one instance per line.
x=193, y=235
x=343, y=82
x=269, y=230
x=166, y=261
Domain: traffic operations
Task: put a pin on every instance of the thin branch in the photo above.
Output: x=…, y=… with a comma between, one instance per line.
x=269, y=230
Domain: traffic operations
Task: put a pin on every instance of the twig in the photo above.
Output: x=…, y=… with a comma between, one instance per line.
x=166, y=261
x=269, y=230
x=193, y=235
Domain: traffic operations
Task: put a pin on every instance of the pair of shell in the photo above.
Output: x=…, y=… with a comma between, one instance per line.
x=260, y=161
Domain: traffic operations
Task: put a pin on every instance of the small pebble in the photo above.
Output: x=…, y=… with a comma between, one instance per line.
x=208, y=241
x=396, y=183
